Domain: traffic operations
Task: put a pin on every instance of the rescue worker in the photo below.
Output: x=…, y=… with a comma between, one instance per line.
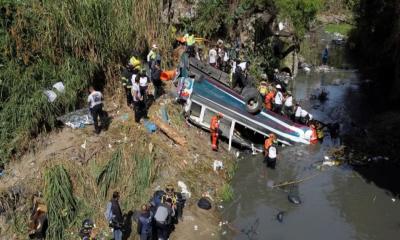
x=152, y=56
x=145, y=223
x=239, y=78
x=269, y=98
x=178, y=202
x=86, y=232
x=288, y=105
x=190, y=41
x=143, y=85
x=214, y=130
x=297, y=114
x=320, y=131
x=95, y=99
x=268, y=143
x=271, y=157
x=135, y=63
x=305, y=117
x=278, y=100
x=155, y=79
x=163, y=219
x=126, y=76
x=138, y=104
x=38, y=221
x=314, y=134
x=263, y=88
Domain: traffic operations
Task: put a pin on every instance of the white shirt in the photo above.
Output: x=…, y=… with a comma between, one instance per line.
x=135, y=92
x=212, y=55
x=303, y=113
x=226, y=57
x=278, y=98
x=272, y=152
x=133, y=78
x=289, y=101
x=298, y=112
x=95, y=98
x=143, y=81
x=242, y=65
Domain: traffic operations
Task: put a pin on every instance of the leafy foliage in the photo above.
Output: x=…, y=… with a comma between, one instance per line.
x=300, y=12
x=211, y=15
x=43, y=42
x=109, y=175
x=61, y=203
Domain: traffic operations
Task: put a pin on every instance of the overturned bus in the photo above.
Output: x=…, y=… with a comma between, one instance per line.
x=205, y=96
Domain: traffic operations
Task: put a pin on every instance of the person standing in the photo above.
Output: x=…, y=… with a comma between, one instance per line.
x=152, y=56
x=114, y=216
x=138, y=105
x=325, y=55
x=155, y=79
x=212, y=57
x=214, y=130
x=272, y=155
x=144, y=225
x=126, y=76
x=278, y=100
x=163, y=219
x=143, y=85
x=269, y=98
x=95, y=101
x=288, y=105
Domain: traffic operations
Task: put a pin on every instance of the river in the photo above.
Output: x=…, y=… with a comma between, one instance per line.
x=337, y=202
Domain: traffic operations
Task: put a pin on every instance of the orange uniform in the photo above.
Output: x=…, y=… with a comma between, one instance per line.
x=214, y=127
x=268, y=100
x=314, y=134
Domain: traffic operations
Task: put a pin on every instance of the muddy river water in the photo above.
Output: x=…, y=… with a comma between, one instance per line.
x=337, y=203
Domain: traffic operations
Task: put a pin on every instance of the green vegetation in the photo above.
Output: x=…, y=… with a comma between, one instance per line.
x=110, y=173
x=226, y=193
x=61, y=203
x=211, y=16
x=342, y=28
x=300, y=12
x=76, y=42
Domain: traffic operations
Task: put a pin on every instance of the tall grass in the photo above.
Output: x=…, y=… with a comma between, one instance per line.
x=61, y=203
x=110, y=173
x=43, y=42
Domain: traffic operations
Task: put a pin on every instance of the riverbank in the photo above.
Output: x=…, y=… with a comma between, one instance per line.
x=84, y=155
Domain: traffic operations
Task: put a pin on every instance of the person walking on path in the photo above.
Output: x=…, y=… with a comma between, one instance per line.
x=325, y=55
x=95, y=101
x=145, y=224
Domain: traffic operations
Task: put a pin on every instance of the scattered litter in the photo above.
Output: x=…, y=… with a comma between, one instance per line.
x=279, y=216
x=150, y=126
x=220, y=206
x=124, y=117
x=217, y=165
x=220, y=224
x=224, y=233
x=109, y=146
x=84, y=145
x=59, y=86
x=237, y=154
x=270, y=183
x=51, y=95
x=196, y=227
x=77, y=119
x=184, y=189
x=164, y=114
x=204, y=203
x=393, y=200
x=294, y=199
x=326, y=158
x=151, y=146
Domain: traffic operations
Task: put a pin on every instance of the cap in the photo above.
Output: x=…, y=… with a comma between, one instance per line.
x=154, y=46
x=278, y=86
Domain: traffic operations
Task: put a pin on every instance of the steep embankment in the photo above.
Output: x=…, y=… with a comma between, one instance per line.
x=141, y=161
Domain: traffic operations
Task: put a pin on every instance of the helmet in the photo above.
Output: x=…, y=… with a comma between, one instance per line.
x=87, y=224
x=154, y=46
x=169, y=188
x=220, y=115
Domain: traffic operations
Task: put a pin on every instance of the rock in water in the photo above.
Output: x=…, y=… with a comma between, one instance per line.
x=279, y=216
x=294, y=199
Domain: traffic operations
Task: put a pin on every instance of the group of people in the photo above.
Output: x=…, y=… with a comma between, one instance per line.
x=155, y=221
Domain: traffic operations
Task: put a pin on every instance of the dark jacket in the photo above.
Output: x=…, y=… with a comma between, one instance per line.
x=155, y=76
x=116, y=211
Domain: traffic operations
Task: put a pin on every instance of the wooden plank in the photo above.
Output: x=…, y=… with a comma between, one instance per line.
x=169, y=131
